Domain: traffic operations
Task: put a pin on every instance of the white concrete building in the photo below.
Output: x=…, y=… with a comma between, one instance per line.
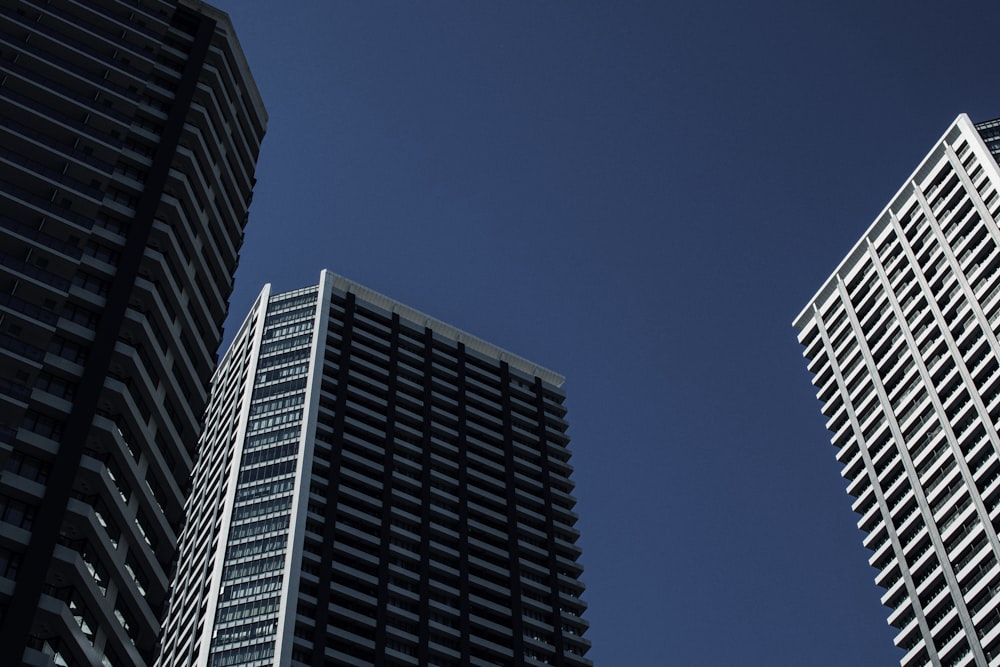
x=902, y=342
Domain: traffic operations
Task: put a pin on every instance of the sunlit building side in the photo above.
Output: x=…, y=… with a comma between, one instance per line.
x=902, y=344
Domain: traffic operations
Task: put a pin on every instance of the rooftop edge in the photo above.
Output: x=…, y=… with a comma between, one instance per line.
x=450, y=332
x=963, y=123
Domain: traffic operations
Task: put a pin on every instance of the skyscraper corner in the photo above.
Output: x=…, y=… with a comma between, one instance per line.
x=902, y=344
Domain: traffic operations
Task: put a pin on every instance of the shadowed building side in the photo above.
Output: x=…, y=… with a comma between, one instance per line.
x=129, y=132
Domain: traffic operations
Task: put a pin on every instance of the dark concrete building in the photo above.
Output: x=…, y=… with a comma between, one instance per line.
x=377, y=487
x=129, y=132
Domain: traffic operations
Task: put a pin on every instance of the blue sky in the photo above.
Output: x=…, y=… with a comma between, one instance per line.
x=640, y=196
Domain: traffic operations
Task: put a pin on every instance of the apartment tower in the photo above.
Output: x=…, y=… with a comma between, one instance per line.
x=902, y=343
x=377, y=488
x=129, y=131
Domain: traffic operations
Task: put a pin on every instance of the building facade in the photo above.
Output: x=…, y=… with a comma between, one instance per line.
x=377, y=488
x=902, y=344
x=129, y=132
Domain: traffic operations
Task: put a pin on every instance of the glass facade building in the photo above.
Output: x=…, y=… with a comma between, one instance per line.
x=377, y=488
x=902, y=342
x=129, y=133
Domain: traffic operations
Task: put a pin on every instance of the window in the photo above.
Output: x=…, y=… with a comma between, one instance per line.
x=16, y=512
x=28, y=466
x=9, y=563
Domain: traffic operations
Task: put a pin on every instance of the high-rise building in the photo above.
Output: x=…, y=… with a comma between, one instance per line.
x=129, y=132
x=902, y=341
x=377, y=488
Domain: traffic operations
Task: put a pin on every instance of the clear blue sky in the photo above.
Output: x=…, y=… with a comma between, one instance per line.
x=640, y=196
